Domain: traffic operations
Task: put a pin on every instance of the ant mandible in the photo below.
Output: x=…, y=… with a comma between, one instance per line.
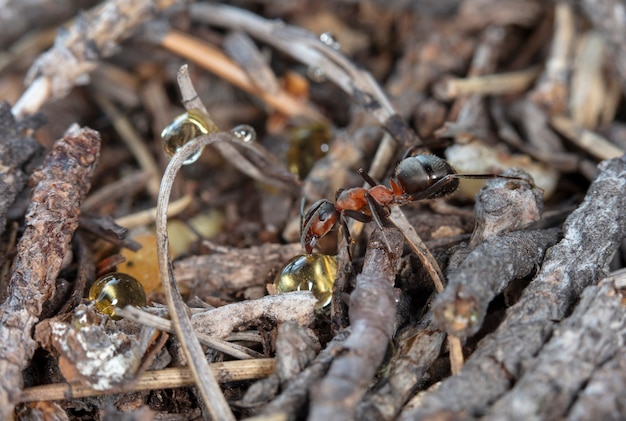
x=417, y=177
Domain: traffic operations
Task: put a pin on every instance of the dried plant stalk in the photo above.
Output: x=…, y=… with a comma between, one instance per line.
x=76, y=52
x=228, y=371
x=204, y=378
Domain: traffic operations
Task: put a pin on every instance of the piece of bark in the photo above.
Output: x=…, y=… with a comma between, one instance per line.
x=296, y=347
x=372, y=320
x=219, y=322
x=291, y=400
x=16, y=151
x=461, y=308
x=506, y=205
x=592, y=234
x=415, y=355
x=602, y=397
x=59, y=186
x=583, y=342
x=233, y=269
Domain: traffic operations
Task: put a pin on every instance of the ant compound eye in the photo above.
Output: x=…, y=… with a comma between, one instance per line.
x=116, y=290
x=185, y=127
x=309, y=272
x=323, y=215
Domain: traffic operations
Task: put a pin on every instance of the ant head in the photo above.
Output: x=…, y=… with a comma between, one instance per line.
x=318, y=221
x=416, y=174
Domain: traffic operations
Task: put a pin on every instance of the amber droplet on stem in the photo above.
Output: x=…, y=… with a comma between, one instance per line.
x=185, y=127
x=116, y=290
x=307, y=144
x=309, y=272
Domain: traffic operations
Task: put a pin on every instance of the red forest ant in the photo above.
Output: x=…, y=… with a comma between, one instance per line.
x=415, y=178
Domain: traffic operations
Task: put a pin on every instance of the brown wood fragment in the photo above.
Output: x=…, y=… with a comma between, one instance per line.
x=227, y=371
x=242, y=49
x=592, y=234
x=295, y=306
x=232, y=270
x=296, y=347
x=372, y=321
x=16, y=150
x=461, y=308
x=59, y=186
x=583, y=342
x=468, y=117
x=417, y=349
x=293, y=398
x=506, y=205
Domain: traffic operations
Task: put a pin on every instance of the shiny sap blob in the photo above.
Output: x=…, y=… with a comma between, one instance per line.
x=116, y=290
x=185, y=127
x=309, y=272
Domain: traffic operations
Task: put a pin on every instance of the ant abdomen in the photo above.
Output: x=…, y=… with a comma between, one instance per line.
x=416, y=174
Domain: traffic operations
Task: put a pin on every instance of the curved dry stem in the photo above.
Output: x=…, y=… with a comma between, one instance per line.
x=202, y=374
x=305, y=47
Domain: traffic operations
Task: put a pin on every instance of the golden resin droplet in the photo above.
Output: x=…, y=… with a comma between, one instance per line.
x=185, y=127
x=309, y=272
x=116, y=290
x=307, y=144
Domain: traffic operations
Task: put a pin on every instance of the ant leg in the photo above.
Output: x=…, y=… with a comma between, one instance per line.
x=379, y=214
x=368, y=178
x=346, y=236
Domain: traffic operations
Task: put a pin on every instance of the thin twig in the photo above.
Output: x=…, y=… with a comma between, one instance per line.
x=498, y=84
x=148, y=216
x=228, y=371
x=212, y=59
x=133, y=141
x=307, y=48
x=165, y=325
x=76, y=52
x=590, y=141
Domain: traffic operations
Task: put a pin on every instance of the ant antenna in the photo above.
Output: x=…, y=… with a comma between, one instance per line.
x=302, y=202
x=368, y=178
